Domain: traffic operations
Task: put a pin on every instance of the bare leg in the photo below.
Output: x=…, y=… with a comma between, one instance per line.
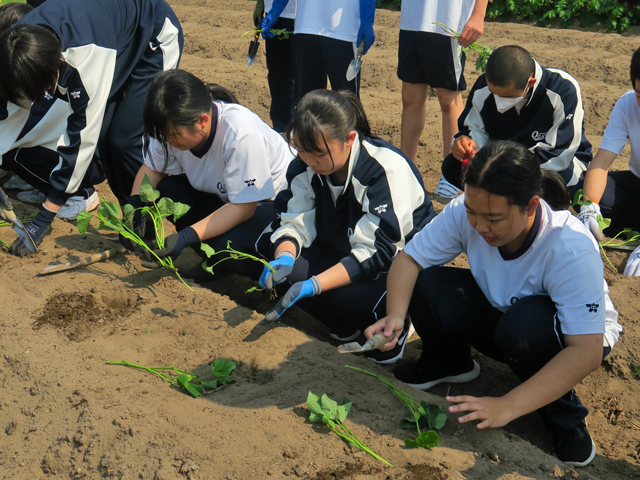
x=451, y=107
x=414, y=114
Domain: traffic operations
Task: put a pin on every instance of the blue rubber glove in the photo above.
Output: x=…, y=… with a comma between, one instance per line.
x=138, y=225
x=283, y=265
x=367, y=15
x=173, y=246
x=39, y=228
x=271, y=17
x=297, y=292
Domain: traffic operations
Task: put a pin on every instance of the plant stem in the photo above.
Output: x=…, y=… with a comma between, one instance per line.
x=148, y=369
x=351, y=438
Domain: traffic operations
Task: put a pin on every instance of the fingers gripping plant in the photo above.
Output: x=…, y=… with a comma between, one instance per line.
x=484, y=51
x=157, y=209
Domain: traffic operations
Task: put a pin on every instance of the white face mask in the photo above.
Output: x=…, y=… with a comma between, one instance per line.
x=506, y=103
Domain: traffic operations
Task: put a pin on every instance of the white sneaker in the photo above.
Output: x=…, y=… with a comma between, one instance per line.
x=16, y=183
x=76, y=205
x=32, y=196
x=446, y=189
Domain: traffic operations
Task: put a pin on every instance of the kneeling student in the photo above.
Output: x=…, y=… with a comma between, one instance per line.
x=534, y=297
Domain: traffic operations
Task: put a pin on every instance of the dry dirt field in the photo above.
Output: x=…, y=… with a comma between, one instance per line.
x=65, y=414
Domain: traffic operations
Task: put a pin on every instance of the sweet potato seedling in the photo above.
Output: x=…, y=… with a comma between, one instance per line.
x=157, y=209
x=327, y=411
x=485, y=51
x=282, y=33
x=193, y=384
x=423, y=415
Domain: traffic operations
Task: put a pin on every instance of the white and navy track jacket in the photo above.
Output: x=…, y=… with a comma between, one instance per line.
x=551, y=123
x=383, y=204
x=102, y=43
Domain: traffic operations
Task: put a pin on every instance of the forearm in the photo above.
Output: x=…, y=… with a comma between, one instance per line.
x=480, y=9
x=401, y=280
x=224, y=219
x=557, y=377
x=286, y=246
x=334, y=277
x=595, y=180
x=154, y=178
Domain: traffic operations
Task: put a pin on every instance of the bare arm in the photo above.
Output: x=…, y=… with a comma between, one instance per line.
x=582, y=355
x=595, y=180
x=224, y=219
x=154, y=178
x=474, y=28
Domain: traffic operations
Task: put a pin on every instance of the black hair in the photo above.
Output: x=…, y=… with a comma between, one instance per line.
x=510, y=65
x=326, y=114
x=635, y=68
x=511, y=170
x=10, y=13
x=30, y=62
x=177, y=99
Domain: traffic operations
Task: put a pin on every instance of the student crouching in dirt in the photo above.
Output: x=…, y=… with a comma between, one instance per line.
x=352, y=202
x=205, y=150
x=534, y=298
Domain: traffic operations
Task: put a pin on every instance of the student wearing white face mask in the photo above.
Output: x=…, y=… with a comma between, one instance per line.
x=518, y=100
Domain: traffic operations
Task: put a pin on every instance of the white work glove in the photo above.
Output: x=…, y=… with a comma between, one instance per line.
x=589, y=215
x=633, y=264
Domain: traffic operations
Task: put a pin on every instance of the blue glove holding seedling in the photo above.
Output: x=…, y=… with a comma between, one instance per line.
x=298, y=291
x=173, y=246
x=283, y=265
x=138, y=225
x=271, y=17
x=39, y=228
x=367, y=15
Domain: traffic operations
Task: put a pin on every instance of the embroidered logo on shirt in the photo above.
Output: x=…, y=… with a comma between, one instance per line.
x=222, y=187
x=381, y=208
x=569, y=117
x=76, y=94
x=537, y=136
x=251, y=182
x=593, y=307
x=48, y=96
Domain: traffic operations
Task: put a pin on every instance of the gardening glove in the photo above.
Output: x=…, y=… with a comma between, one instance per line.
x=283, y=265
x=633, y=264
x=258, y=12
x=173, y=245
x=367, y=15
x=271, y=17
x=589, y=217
x=298, y=291
x=39, y=228
x=138, y=225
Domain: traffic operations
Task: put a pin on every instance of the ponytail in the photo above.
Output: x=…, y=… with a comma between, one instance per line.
x=220, y=93
x=511, y=170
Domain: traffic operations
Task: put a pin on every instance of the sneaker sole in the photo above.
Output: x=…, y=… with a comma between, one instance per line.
x=580, y=464
x=350, y=338
x=389, y=361
x=462, y=378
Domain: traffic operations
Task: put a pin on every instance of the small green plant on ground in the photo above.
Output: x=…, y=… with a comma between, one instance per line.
x=484, y=51
x=327, y=411
x=157, y=209
x=233, y=255
x=283, y=33
x=631, y=236
x=193, y=384
x=423, y=415
x=637, y=372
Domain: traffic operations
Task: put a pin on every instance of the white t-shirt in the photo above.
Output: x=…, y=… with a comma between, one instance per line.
x=247, y=161
x=624, y=126
x=563, y=262
x=288, y=12
x=338, y=19
x=419, y=15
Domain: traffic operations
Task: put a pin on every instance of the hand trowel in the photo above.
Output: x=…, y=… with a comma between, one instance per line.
x=356, y=63
x=253, y=49
x=6, y=213
x=373, y=343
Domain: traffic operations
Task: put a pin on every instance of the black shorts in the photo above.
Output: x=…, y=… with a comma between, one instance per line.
x=430, y=58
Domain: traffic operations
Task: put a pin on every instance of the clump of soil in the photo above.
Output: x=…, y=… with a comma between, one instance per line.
x=77, y=315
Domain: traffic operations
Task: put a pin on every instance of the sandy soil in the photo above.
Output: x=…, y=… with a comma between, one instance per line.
x=64, y=413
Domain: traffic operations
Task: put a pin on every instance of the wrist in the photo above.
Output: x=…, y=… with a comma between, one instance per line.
x=317, y=289
x=285, y=253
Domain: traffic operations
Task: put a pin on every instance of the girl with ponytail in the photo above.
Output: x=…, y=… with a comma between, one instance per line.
x=352, y=203
x=534, y=297
x=203, y=149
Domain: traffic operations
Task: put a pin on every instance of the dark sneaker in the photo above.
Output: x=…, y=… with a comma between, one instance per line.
x=418, y=375
x=574, y=448
x=395, y=354
x=343, y=334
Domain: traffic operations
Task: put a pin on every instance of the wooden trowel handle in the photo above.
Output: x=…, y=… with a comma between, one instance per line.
x=379, y=339
x=97, y=257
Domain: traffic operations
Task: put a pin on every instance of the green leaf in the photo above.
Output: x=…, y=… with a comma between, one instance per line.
x=410, y=422
x=185, y=382
x=313, y=404
x=637, y=372
x=436, y=417
x=580, y=199
x=223, y=368
x=165, y=206
x=603, y=223
x=114, y=224
x=209, y=384
x=343, y=410
x=84, y=218
x=147, y=193
x=208, y=251
x=410, y=443
x=179, y=209
x=428, y=439
x=128, y=212
x=315, y=417
x=112, y=209
x=330, y=405
x=253, y=289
